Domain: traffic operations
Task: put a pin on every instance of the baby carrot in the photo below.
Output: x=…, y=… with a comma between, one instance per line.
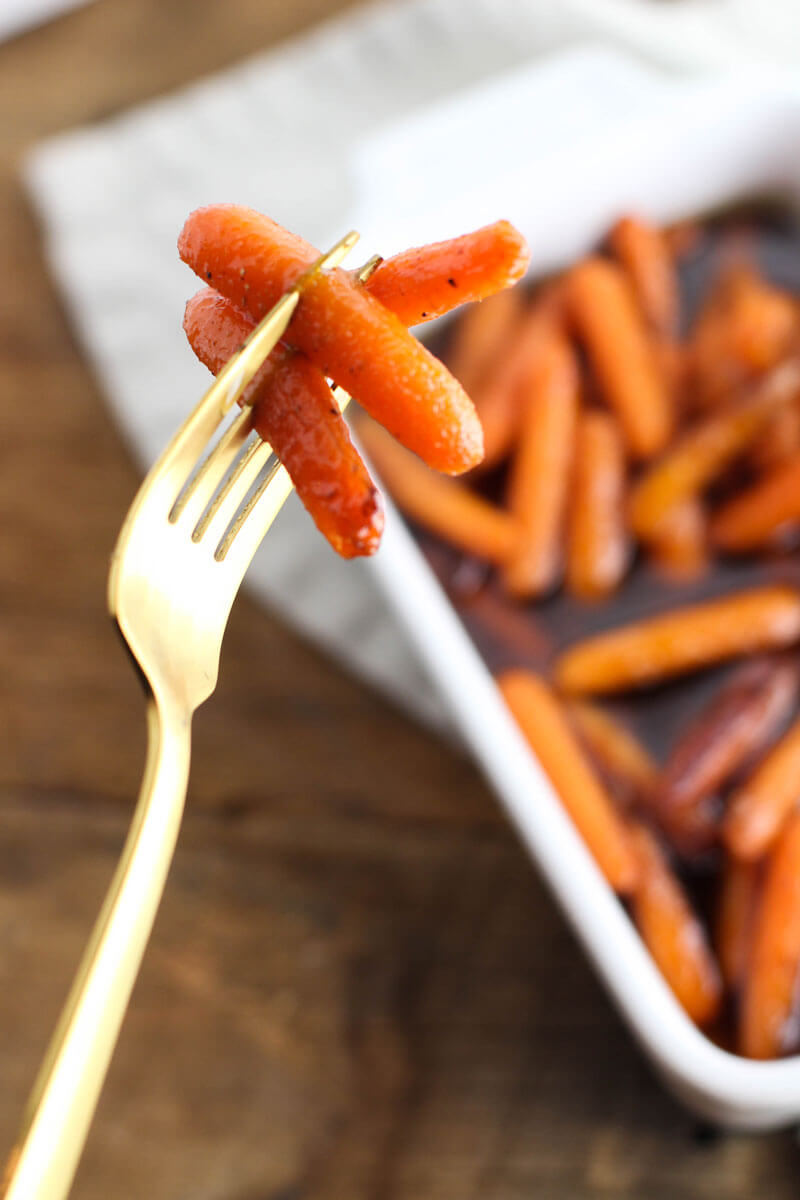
x=779, y=440
x=769, y=998
x=760, y=805
x=546, y=726
x=643, y=251
x=597, y=539
x=761, y=512
x=341, y=328
x=681, y=546
x=683, y=639
x=428, y=281
x=295, y=412
x=620, y=755
x=443, y=505
x=672, y=931
x=737, y=903
x=480, y=337
x=540, y=471
x=702, y=453
x=604, y=311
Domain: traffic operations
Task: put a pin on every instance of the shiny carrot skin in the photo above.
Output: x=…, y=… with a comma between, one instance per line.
x=619, y=754
x=597, y=539
x=761, y=804
x=705, y=450
x=445, y=506
x=547, y=728
x=672, y=931
x=650, y=651
x=643, y=251
x=769, y=997
x=341, y=328
x=539, y=477
x=428, y=281
x=737, y=905
x=756, y=516
x=604, y=312
x=681, y=548
x=296, y=413
x=481, y=336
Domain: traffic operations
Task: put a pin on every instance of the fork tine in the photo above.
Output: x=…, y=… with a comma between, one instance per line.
x=200, y=488
x=228, y=499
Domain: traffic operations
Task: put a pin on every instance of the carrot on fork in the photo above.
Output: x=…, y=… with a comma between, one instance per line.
x=759, y=514
x=546, y=726
x=643, y=251
x=761, y=804
x=650, y=651
x=597, y=537
x=540, y=471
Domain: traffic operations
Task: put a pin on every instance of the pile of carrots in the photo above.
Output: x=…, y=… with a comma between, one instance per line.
x=619, y=431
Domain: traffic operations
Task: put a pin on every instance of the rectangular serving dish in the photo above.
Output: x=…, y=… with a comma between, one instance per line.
x=688, y=149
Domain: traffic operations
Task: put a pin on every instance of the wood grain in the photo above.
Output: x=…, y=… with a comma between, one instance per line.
x=357, y=986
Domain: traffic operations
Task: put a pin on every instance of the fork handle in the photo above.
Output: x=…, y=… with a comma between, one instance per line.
x=61, y=1106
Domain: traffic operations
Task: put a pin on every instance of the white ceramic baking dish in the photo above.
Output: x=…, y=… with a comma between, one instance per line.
x=692, y=147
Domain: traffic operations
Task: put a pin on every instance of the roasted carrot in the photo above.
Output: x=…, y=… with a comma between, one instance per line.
x=544, y=723
x=597, y=540
x=706, y=449
x=740, y=720
x=762, y=512
x=779, y=440
x=737, y=903
x=341, y=328
x=643, y=251
x=429, y=281
x=672, y=931
x=296, y=413
x=683, y=639
x=443, y=505
x=681, y=546
x=481, y=337
x=618, y=753
x=602, y=306
x=768, y=1026
x=540, y=471
x=761, y=805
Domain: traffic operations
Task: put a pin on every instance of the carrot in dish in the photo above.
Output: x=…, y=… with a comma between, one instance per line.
x=480, y=337
x=442, y=505
x=672, y=931
x=737, y=904
x=620, y=755
x=761, y=804
x=546, y=726
x=603, y=309
x=341, y=328
x=741, y=719
x=540, y=470
x=705, y=450
x=597, y=539
x=779, y=440
x=428, y=281
x=759, y=514
x=768, y=1026
x=296, y=413
x=685, y=639
x=681, y=547
x=643, y=251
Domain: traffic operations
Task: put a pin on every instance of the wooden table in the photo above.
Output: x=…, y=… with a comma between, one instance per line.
x=357, y=986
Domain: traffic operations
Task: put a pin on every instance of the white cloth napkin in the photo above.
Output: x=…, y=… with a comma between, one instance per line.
x=18, y=15
x=309, y=133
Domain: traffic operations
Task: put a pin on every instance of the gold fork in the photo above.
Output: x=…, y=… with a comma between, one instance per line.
x=180, y=558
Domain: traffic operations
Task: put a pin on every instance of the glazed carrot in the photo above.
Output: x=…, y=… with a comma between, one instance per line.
x=604, y=311
x=740, y=720
x=617, y=751
x=643, y=251
x=779, y=440
x=544, y=723
x=760, y=806
x=341, y=328
x=448, y=508
x=672, y=932
x=540, y=471
x=429, y=281
x=296, y=413
x=681, y=547
x=769, y=998
x=737, y=904
x=756, y=516
x=480, y=337
x=597, y=540
x=706, y=449
x=684, y=639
